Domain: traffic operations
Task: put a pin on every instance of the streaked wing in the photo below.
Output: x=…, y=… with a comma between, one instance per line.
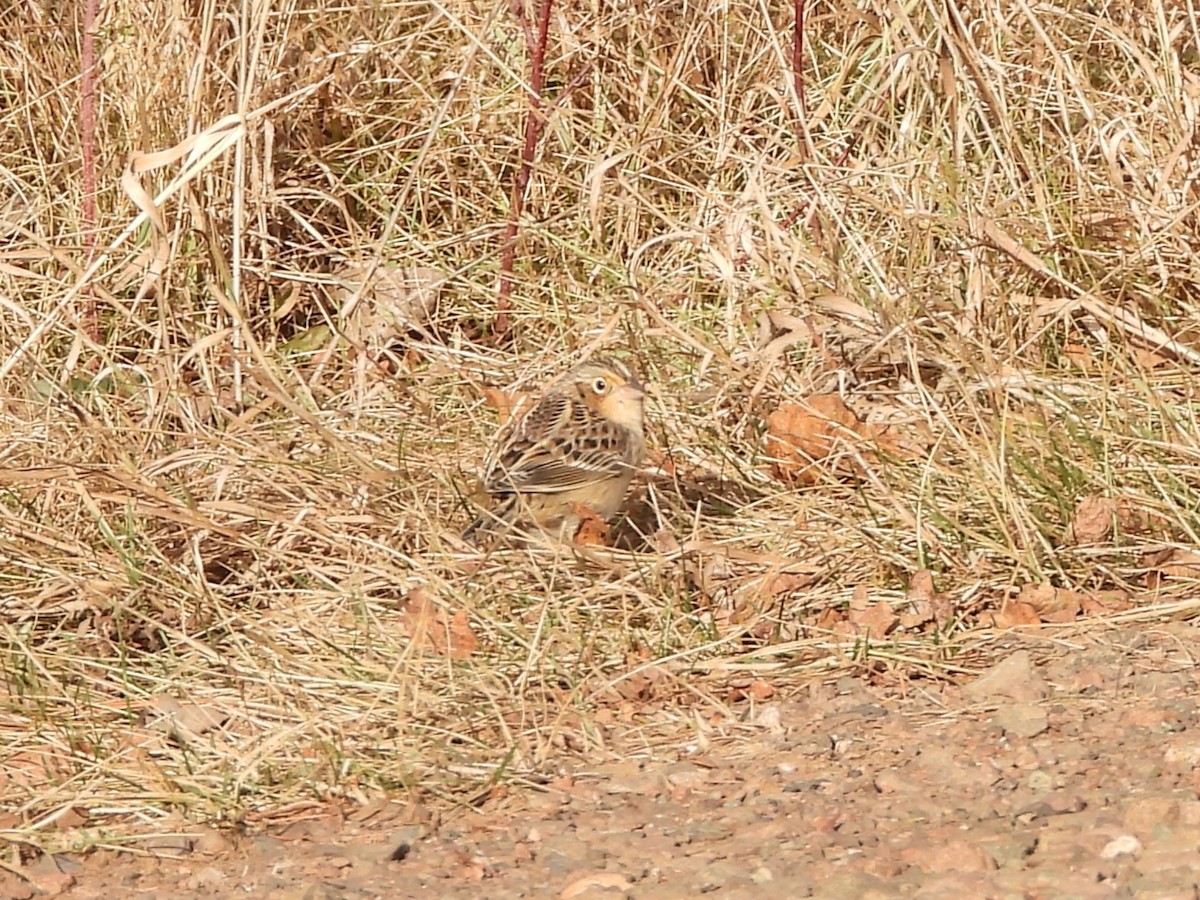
x=537, y=457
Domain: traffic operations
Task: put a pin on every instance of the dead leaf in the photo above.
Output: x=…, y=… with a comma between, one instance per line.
x=877, y=619
x=505, y=403
x=711, y=574
x=891, y=440
x=829, y=618
x=1132, y=520
x=33, y=769
x=782, y=583
x=925, y=604
x=860, y=600
x=592, y=530
x=642, y=685
x=759, y=591
x=1105, y=603
x=393, y=302
x=1092, y=521
x=760, y=690
x=801, y=435
x=1050, y=603
x=1148, y=359
x=664, y=541
x=1171, y=564
x=71, y=817
x=1080, y=355
x=659, y=462
x=1013, y=614
x=429, y=626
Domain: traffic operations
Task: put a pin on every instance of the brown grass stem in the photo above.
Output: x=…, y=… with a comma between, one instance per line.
x=536, y=48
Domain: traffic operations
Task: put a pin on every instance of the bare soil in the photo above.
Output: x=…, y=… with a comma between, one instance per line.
x=1068, y=769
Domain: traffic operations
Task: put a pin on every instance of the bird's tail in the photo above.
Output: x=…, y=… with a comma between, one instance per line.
x=493, y=522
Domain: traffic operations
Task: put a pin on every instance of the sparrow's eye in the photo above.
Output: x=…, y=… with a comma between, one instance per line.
x=600, y=386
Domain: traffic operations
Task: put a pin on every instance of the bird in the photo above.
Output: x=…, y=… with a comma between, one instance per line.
x=572, y=452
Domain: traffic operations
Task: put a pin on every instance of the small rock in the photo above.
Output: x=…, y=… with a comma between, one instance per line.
x=848, y=684
x=823, y=823
x=1022, y=720
x=169, y=843
x=207, y=879
x=715, y=876
x=812, y=745
x=770, y=718
x=1144, y=816
x=869, y=711
x=886, y=865
x=54, y=864
x=849, y=885
x=562, y=854
x=890, y=781
x=594, y=885
x=702, y=830
x=1011, y=851
x=761, y=875
x=1183, y=752
x=1013, y=677
x=14, y=888
x=1122, y=845
x=1189, y=812
x=1040, y=781
x=804, y=787
x=686, y=774
x=1165, y=885
x=54, y=883
x=211, y=842
x=954, y=856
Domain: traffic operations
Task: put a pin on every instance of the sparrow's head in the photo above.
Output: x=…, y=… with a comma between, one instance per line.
x=610, y=388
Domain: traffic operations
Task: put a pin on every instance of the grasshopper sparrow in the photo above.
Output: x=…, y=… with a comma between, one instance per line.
x=575, y=450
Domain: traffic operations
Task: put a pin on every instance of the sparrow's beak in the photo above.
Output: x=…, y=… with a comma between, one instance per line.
x=633, y=389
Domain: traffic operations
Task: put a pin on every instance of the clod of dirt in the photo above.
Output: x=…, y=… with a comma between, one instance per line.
x=1023, y=720
x=1014, y=677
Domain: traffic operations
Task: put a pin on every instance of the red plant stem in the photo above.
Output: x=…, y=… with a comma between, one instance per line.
x=87, y=144
x=798, y=61
x=536, y=45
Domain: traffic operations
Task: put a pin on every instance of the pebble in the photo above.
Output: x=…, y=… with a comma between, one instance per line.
x=890, y=781
x=1183, y=752
x=207, y=879
x=849, y=886
x=1022, y=720
x=705, y=830
x=1014, y=677
x=1145, y=816
x=953, y=856
x=761, y=875
x=1123, y=845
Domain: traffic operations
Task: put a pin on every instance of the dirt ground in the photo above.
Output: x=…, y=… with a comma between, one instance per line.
x=1067, y=769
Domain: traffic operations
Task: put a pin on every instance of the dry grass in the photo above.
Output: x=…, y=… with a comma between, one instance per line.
x=231, y=499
